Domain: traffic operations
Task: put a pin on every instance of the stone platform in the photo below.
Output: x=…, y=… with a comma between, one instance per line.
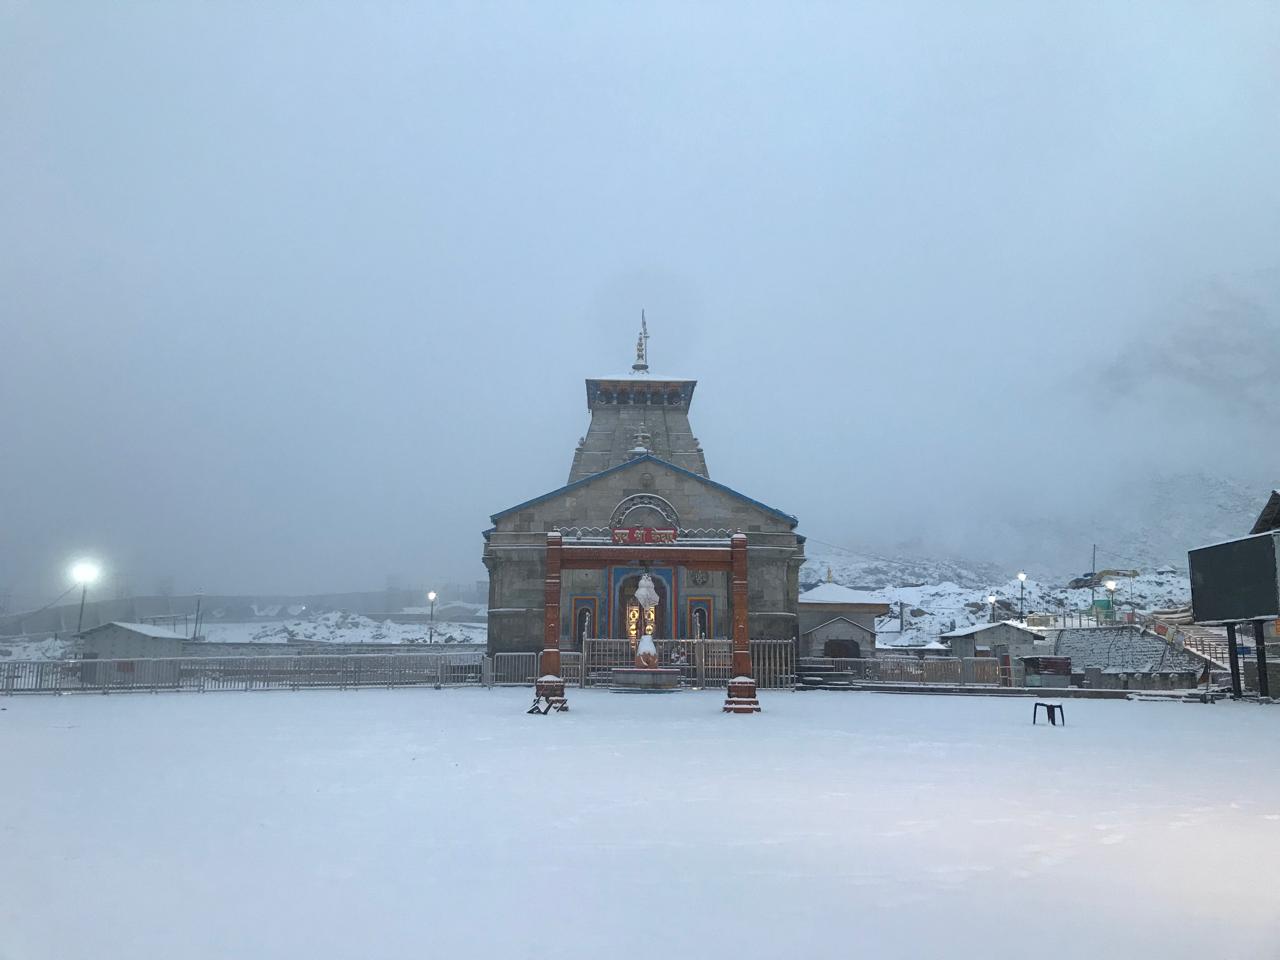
x=645, y=679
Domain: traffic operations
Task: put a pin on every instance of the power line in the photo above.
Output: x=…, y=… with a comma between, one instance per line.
x=49, y=604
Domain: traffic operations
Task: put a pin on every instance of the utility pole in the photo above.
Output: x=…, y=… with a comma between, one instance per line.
x=84, y=589
x=1093, y=579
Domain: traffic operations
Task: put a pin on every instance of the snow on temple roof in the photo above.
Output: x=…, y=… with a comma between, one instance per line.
x=649, y=458
x=837, y=593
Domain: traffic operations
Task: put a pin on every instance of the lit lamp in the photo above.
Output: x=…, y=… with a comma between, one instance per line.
x=431, y=596
x=1111, y=596
x=991, y=599
x=1022, y=593
x=83, y=572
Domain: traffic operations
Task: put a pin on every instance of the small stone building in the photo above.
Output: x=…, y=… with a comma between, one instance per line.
x=838, y=621
x=129, y=641
x=1005, y=638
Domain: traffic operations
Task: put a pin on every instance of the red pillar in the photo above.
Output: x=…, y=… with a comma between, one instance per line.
x=549, y=683
x=741, y=697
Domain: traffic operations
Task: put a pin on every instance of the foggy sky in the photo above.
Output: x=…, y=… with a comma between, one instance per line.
x=292, y=297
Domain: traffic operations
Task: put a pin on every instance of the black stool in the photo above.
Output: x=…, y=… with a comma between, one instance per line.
x=1054, y=710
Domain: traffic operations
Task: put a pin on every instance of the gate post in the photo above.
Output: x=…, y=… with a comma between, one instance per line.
x=741, y=694
x=1233, y=655
x=1260, y=651
x=549, y=683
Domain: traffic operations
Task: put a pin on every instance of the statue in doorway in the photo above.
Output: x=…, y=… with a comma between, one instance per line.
x=647, y=597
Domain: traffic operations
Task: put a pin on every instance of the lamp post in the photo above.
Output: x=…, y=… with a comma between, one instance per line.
x=1022, y=594
x=431, y=637
x=1111, y=596
x=991, y=599
x=83, y=572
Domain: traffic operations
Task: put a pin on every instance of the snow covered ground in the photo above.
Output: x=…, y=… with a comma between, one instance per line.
x=341, y=627
x=335, y=627
x=420, y=823
x=48, y=648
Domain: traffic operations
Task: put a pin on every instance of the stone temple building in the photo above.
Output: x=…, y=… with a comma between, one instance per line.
x=639, y=499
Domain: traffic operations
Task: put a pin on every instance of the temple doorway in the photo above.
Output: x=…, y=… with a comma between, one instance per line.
x=632, y=615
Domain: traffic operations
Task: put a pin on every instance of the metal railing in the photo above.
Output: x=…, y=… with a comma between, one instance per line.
x=702, y=663
x=950, y=671
x=514, y=669
x=521, y=669
x=1177, y=630
x=705, y=663
x=241, y=673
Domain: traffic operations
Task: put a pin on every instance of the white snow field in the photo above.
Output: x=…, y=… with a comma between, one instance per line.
x=424, y=824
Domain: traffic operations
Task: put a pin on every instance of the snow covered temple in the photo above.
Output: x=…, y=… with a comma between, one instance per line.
x=564, y=566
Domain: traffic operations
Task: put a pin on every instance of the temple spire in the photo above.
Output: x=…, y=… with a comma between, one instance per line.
x=642, y=348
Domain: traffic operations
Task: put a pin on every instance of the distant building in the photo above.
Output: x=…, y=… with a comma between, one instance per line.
x=1006, y=638
x=130, y=641
x=838, y=621
x=1269, y=519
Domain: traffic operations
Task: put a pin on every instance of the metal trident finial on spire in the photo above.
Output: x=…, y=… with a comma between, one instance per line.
x=642, y=347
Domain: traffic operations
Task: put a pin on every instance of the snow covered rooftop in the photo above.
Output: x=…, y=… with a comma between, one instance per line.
x=980, y=627
x=1122, y=649
x=145, y=629
x=837, y=593
x=851, y=623
x=1269, y=519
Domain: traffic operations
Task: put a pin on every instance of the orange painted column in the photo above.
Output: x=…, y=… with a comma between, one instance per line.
x=741, y=696
x=549, y=664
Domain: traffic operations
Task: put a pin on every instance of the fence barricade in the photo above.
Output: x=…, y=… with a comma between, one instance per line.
x=702, y=663
x=515, y=669
x=943, y=671
x=244, y=673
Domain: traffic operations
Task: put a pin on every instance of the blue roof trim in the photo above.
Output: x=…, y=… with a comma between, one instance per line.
x=647, y=458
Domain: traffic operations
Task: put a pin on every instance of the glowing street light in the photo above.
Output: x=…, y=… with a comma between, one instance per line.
x=1022, y=593
x=431, y=595
x=1111, y=596
x=991, y=599
x=83, y=572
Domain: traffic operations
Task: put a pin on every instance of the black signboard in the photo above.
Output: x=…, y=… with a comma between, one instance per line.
x=1236, y=581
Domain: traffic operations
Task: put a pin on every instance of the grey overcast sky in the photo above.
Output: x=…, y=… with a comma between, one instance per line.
x=294, y=295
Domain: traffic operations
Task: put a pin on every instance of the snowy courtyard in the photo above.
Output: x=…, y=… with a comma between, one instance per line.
x=421, y=823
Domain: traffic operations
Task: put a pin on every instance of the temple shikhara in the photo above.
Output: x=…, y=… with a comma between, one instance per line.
x=639, y=508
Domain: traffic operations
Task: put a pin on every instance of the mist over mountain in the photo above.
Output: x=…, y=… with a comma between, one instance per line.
x=1139, y=522
x=294, y=311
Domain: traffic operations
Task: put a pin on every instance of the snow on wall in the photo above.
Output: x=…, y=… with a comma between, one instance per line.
x=1120, y=650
